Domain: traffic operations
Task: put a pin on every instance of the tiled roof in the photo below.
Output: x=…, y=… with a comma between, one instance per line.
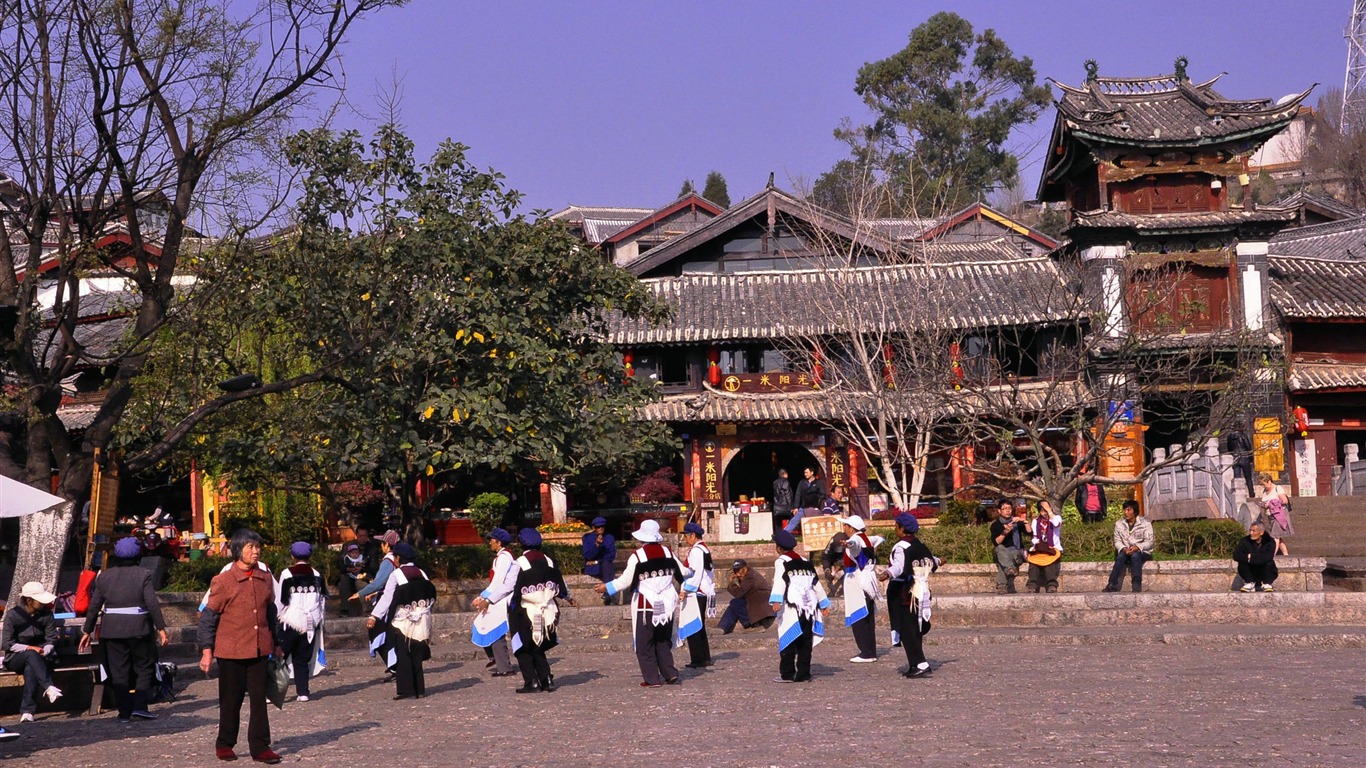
x=1318, y=288
x=1329, y=205
x=597, y=230
x=1167, y=111
x=1156, y=222
x=1345, y=240
x=903, y=229
x=1306, y=377
x=825, y=406
x=960, y=286
x=581, y=212
x=78, y=416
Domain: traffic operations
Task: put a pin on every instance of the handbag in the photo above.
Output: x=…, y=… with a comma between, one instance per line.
x=277, y=681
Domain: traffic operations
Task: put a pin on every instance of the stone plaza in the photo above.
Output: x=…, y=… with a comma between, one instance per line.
x=1106, y=700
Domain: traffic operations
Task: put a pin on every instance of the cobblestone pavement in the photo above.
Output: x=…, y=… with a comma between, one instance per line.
x=985, y=705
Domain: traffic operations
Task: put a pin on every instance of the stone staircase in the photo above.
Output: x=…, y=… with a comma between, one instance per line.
x=1328, y=526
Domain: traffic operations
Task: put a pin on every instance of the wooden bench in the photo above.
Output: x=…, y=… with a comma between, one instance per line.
x=10, y=679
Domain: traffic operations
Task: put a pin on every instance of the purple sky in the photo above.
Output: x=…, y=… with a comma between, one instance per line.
x=615, y=103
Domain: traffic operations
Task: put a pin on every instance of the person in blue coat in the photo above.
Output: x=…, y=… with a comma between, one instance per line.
x=600, y=555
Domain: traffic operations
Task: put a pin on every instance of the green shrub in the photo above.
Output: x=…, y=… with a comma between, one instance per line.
x=958, y=512
x=1173, y=539
x=463, y=562
x=486, y=511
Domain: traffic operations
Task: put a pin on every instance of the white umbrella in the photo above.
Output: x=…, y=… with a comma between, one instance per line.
x=18, y=499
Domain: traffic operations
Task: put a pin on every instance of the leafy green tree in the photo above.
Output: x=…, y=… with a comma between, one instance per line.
x=449, y=333
x=142, y=123
x=943, y=108
x=715, y=189
x=687, y=188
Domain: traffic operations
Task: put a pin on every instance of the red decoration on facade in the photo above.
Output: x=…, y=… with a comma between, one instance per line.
x=956, y=361
x=1301, y=421
x=714, y=366
x=627, y=358
x=818, y=367
x=888, y=370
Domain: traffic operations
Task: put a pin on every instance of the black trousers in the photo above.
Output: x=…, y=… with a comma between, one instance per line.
x=912, y=641
x=655, y=649
x=699, y=649
x=131, y=664
x=1243, y=467
x=37, y=671
x=794, y=661
x=534, y=665
x=299, y=650
x=896, y=612
x=239, y=678
x=1258, y=574
x=865, y=633
x=409, y=656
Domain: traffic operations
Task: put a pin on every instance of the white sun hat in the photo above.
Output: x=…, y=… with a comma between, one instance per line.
x=854, y=521
x=648, y=532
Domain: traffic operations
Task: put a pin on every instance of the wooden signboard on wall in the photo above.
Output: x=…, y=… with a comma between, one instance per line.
x=104, y=506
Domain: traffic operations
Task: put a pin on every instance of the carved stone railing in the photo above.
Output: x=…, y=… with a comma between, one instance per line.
x=1349, y=478
x=1204, y=475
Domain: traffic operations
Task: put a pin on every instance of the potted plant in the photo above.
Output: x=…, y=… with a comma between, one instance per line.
x=569, y=532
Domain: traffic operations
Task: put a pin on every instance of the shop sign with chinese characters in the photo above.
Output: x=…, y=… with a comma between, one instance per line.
x=710, y=456
x=769, y=382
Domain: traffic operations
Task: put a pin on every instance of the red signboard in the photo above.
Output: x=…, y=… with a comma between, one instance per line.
x=709, y=454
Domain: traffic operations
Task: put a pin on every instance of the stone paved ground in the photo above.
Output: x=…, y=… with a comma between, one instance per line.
x=985, y=705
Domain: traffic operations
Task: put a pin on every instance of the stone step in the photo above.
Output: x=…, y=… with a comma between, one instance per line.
x=1149, y=614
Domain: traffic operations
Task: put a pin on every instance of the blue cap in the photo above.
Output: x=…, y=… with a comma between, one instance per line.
x=599, y=522
x=301, y=549
x=530, y=537
x=405, y=551
x=784, y=539
x=498, y=534
x=127, y=548
x=694, y=529
x=908, y=522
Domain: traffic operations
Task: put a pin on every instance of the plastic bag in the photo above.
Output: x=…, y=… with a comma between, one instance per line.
x=277, y=681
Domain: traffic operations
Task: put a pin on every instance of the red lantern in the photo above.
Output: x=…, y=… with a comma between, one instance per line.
x=627, y=358
x=888, y=370
x=1301, y=420
x=956, y=362
x=714, y=366
x=818, y=367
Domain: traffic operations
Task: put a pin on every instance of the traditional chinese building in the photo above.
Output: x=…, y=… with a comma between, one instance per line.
x=1155, y=171
x=743, y=398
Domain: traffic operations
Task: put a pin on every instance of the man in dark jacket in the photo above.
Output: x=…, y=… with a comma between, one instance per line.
x=600, y=555
x=782, y=497
x=127, y=598
x=749, y=599
x=810, y=496
x=1256, y=559
x=28, y=642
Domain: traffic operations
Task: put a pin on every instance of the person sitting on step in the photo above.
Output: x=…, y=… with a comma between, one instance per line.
x=1255, y=555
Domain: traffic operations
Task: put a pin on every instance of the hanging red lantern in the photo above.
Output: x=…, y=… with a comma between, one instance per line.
x=818, y=366
x=627, y=358
x=714, y=366
x=956, y=363
x=888, y=370
x=1301, y=420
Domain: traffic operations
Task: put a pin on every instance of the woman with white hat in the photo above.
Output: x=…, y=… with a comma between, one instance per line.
x=652, y=573
x=28, y=641
x=860, y=587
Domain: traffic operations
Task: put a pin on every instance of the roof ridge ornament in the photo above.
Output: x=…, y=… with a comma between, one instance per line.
x=1181, y=62
x=1092, y=69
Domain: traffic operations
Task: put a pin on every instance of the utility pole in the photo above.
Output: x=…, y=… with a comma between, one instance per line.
x=1354, y=85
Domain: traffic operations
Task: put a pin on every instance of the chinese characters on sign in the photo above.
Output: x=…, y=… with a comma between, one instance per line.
x=769, y=382
x=818, y=530
x=711, y=471
x=837, y=468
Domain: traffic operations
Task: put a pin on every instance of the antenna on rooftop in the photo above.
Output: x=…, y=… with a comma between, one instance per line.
x=1354, y=85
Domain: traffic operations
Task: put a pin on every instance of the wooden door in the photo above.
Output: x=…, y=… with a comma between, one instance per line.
x=1325, y=458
